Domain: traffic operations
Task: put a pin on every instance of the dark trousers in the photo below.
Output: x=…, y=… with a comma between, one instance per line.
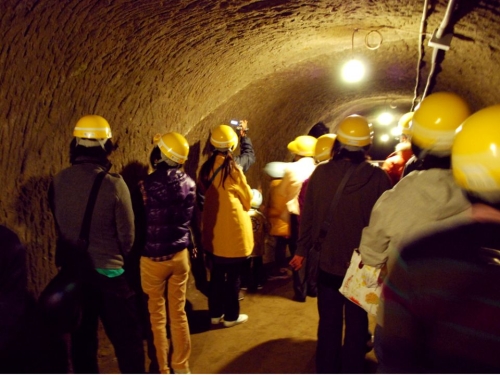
x=199, y=270
x=252, y=273
x=331, y=355
x=377, y=347
x=112, y=300
x=280, y=252
x=299, y=277
x=224, y=289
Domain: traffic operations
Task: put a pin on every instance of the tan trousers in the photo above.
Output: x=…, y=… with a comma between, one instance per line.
x=154, y=279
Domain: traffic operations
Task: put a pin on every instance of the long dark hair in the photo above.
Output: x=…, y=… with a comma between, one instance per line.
x=228, y=165
x=339, y=153
x=318, y=130
x=427, y=161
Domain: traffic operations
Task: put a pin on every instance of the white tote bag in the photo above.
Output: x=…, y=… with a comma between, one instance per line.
x=362, y=284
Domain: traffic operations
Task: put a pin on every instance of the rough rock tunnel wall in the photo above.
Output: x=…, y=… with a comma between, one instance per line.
x=156, y=66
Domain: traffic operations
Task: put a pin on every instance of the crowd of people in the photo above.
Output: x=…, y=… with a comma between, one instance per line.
x=428, y=216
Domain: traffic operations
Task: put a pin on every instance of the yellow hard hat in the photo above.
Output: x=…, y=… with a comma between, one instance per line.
x=303, y=145
x=93, y=127
x=224, y=137
x=354, y=130
x=404, y=123
x=324, y=145
x=174, y=147
x=436, y=120
x=475, y=155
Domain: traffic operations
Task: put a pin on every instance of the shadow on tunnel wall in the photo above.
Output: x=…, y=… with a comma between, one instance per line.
x=197, y=155
x=193, y=161
x=33, y=212
x=134, y=172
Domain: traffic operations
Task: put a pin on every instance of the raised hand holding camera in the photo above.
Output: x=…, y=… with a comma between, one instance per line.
x=241, y=126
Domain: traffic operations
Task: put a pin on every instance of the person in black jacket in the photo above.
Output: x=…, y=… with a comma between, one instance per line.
x=13, y=301
x=335, y=354
x=246, y=158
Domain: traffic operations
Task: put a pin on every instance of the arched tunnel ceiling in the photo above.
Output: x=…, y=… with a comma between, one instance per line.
x=152, y=66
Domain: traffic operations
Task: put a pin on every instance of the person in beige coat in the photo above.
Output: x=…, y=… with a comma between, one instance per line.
x=227, y=234
x=425, y=200
x=296, y=173
x=279, y=220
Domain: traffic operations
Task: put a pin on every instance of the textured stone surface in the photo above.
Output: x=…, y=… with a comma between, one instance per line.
x=155, y=66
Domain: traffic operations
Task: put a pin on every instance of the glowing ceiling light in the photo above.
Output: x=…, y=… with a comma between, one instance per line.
x=384, y=137
x=385, y=118
x=396, y=131
x=353, y=71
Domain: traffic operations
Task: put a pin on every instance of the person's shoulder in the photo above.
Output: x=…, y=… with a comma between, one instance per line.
x=114, y=178
x=374, y=169
x=176, y=177
x=115, y=175
x=325, y=165
x=435, y=181
x=187, y=180
x=453, y=242
x=190, y=180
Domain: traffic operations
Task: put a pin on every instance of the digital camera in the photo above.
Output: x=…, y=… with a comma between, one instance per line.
x=235, y=124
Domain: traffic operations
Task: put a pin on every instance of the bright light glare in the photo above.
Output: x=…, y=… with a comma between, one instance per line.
x=396, y=131
x=353, y=71
x=385, y=118
x=384, y=137
x=493, y=148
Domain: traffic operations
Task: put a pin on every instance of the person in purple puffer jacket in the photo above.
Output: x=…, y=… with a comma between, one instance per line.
x=168, y=199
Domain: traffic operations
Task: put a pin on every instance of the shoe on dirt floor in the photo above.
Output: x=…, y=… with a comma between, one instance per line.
x=217, y=320
x=242, y=318
x=282, y=274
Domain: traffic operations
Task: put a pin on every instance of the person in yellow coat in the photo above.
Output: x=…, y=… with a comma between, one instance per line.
x=227, y=233
x=279, y=219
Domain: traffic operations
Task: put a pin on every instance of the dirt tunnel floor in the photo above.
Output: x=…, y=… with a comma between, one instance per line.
x=279, y=337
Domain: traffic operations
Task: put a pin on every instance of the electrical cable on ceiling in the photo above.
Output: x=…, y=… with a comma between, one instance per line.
x=437, y=47
x=352, y=40
x=419, y=62
x=375, y=45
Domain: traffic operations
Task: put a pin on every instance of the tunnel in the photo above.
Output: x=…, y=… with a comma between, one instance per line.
x=152, y=66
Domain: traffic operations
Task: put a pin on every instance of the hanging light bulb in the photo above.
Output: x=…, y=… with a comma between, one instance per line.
x=353, y=71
